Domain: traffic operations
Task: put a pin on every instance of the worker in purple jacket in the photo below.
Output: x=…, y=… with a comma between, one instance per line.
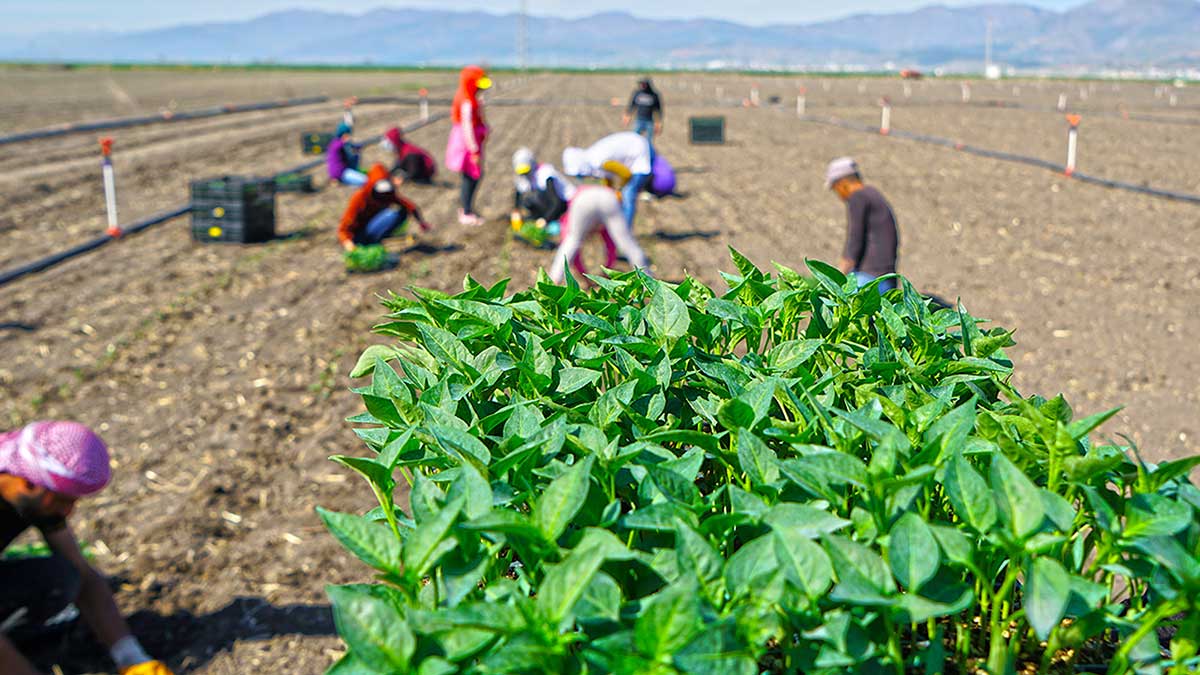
x=872, y=239
x=341, y=158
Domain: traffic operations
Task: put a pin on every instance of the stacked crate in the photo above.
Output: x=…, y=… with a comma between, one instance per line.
x=233, y=209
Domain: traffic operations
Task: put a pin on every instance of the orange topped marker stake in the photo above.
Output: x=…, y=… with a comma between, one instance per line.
x=1072, y=142
x=110, y=186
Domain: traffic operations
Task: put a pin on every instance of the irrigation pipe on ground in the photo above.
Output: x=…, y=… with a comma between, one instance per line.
x=10, y=275
x=1007, y=157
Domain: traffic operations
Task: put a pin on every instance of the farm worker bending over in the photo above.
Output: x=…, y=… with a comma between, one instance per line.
x=595, y=207
x=464, y=149
x=872, y=239
x=546, y=194
x=645, y=110
x=45, y=468
x=412, y=163
x=622, y=159
x=376, y=210
x=341, y=158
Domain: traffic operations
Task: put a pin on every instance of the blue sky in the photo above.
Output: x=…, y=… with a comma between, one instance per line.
x=48, y=15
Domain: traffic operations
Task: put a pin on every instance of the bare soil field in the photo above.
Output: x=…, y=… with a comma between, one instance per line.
x=39, y=96
x=218, y=374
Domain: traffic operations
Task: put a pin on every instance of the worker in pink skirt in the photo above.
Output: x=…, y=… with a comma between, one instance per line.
x=468, y=133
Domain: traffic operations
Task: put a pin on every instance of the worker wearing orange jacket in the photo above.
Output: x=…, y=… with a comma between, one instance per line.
x=376, y=211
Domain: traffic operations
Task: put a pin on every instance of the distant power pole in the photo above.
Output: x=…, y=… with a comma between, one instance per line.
x=987, y=48
x=523, y=36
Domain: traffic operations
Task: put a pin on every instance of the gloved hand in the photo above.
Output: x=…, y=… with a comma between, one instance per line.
x=148, y=668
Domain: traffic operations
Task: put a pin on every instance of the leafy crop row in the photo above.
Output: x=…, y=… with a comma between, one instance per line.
x=793, y=476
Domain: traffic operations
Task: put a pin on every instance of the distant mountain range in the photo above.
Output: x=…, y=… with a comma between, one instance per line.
x=1099, y=34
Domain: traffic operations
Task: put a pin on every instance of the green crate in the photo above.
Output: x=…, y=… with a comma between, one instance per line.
x=233, y=209
x=706, y=130
x=315, y=143
x=294, y=182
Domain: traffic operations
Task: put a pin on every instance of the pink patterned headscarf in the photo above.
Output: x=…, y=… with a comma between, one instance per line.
x=65, y=457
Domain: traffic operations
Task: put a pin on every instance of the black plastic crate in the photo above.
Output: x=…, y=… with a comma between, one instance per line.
x=233, y=209
x=315, y=143
x=706, y=130
x=294, y=182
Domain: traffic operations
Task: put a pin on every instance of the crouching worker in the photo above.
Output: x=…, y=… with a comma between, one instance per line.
x=623, y=160
x=546, y=195
x=872, y=238
x=412, y=162
x=595, y=208
x=45, y=468
x=341, y=158
x=376, y=211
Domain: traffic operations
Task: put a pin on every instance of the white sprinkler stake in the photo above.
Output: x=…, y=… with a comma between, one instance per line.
x=424, y=104
x=1062, y=103
x=966, y=92
x=1072, y=142
x=110, y=187
x=802, y=103
x=885, y=117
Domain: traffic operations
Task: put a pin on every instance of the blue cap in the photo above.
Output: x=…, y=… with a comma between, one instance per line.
x=342, y=128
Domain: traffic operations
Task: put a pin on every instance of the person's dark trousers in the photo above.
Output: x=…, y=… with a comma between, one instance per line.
x=381, y=226
x=413, y=168
x=33, y=594
x=467, y=194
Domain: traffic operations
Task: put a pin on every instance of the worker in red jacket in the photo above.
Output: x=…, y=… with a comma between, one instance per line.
x=413, y=163
x=376, y=211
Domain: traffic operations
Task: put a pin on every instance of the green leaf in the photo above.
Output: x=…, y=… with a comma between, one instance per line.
x=804, y=562
x=562, y=499
x=793, y=353
x=955, y=545
x=461, y=445
x=913, y=551
x=1151, y=515
x=601, y=600
x=857, y=566
x=667, y=314
x=372, y=543
x=1046, y=595
x=669, y=620
x=757, y=460
x=716, y=651
x=803, y=520
x=367, y=360
x=1019, y=499
x=969, y=494
x=697, y=559
x=423, y=546
x=373, y=628
x=673, y=486
x=1081, y=428
x=565, y=583
x=573, y=379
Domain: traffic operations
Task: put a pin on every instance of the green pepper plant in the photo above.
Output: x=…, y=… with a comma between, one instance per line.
x=795, y=475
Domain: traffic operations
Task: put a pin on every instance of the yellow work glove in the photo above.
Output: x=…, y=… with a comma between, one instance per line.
x=148, y=668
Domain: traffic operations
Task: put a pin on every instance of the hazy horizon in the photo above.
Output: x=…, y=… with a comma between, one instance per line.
x=128, y=16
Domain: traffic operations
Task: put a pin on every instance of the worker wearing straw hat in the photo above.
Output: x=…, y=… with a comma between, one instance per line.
x=872, y=239
x=45, y=468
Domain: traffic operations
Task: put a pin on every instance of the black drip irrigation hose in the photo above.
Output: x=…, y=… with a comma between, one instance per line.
x=15, y=273
x=11, y=275
x=124, y=122
x=1007, y=157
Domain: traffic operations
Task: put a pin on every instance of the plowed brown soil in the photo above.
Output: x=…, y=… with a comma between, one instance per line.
x=218, y=374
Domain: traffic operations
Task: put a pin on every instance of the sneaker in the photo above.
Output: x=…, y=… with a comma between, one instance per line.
x=467, y=218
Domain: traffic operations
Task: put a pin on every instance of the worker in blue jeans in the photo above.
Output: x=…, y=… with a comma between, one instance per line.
x=376, y=211
x=645, y=111
x=622, y=160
